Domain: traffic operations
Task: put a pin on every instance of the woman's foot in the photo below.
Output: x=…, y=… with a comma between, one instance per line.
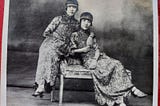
x=122, y=104
x=39, y=92
x=35, y=86
x=138, y=93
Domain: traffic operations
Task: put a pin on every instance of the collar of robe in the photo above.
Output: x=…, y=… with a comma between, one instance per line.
x=87, y=32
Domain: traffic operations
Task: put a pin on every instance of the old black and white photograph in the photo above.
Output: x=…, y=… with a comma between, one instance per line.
x=80, y=53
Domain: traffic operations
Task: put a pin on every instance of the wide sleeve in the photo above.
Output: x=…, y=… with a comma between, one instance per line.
x=52, y=26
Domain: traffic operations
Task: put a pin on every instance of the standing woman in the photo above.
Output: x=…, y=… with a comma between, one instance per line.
x=112, y=82
x=55, y=46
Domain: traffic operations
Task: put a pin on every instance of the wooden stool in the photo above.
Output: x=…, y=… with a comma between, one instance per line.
x=70, y=72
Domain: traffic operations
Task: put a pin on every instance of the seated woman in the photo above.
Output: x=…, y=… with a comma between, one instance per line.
x=112, y=82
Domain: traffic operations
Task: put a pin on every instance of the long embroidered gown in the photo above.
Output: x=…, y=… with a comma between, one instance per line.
x=112, y=82
x=54, y=47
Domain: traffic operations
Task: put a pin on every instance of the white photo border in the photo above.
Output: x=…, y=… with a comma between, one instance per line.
x=155, y=57
x=3, y=98
x=3, y=101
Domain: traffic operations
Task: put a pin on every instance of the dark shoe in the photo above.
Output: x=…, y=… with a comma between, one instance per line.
x=35, y=86
x=48, y=88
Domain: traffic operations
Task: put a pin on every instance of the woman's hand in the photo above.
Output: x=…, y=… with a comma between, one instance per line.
x=93, y=64
x=72, y=52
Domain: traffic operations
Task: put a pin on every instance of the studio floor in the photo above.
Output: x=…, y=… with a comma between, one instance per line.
x=22, y=97
x=20, y=78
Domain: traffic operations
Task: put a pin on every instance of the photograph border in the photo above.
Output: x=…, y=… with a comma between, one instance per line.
x=155, y=56
x=4, y=41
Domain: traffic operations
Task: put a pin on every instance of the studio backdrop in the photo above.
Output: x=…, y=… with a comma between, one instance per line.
x=124, y=31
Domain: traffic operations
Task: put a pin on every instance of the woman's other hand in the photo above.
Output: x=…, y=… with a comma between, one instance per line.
x=93, y=64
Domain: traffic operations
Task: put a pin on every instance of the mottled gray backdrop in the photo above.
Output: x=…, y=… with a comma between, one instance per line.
x=124, y=29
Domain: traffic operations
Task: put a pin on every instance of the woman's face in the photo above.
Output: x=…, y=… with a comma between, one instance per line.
x=85, y=24
x=71, y=9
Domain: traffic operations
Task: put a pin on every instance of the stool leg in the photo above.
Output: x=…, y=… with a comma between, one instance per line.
x=61, y=89
x=52, y=94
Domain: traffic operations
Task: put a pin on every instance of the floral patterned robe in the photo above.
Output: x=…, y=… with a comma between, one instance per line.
x=54, y=47
x=112, y=82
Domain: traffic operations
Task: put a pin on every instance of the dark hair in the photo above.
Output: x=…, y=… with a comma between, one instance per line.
x=86, y=15
x=72, y=2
